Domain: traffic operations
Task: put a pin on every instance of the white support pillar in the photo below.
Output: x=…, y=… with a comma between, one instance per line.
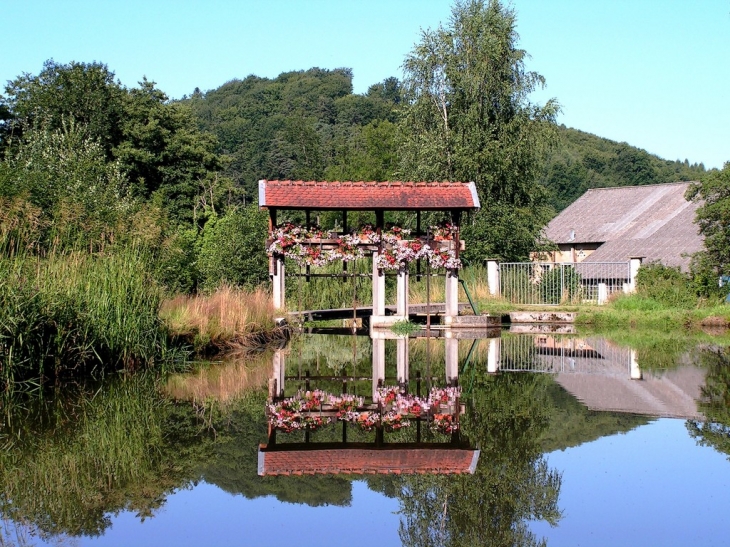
x=378, y=362
x=602, y=293
x=493, y=277
x=634, y=265
x=402, y=359
x=378, y=291
x=494, y=354
x=278, y=281
x=452, y=358
x=402, y=294
x=452, y=296
x=635, y=371
x=276, y=387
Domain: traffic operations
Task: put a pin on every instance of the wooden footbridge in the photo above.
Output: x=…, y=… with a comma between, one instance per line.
x=415, y=312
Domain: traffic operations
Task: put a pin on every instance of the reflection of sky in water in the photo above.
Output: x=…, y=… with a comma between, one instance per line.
x=207, y=515
x=650, y=486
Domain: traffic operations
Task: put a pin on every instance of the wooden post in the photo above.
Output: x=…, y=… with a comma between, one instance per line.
x=279, y=373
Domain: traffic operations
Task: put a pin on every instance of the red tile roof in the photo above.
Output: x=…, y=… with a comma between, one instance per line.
x=367, y=461
x=440, y=196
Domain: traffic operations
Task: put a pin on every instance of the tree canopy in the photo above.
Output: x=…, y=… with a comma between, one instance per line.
x=469, y=117
x=713, y=217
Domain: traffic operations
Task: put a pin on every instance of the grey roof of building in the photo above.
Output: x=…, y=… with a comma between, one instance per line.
x=654, y=221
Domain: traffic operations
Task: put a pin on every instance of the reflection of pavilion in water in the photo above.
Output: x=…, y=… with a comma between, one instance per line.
x=441, y=454
x=601, y=375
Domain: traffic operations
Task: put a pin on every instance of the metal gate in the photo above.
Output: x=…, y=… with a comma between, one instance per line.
x=554, y=283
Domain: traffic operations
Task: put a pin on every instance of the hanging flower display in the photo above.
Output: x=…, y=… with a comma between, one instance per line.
x=296, y=243
x=304, y=410
x=392, y=421
x=367, y=421
x=444, y=423
x=444, y=232
x=344, y=403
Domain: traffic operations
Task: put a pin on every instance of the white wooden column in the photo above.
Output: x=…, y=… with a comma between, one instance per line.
x=402, y=359
x=635, y=371
x=634, y=265
x=452, y=296
x=402, y=294
x=278, y=282
x=276, y=385
x=378, y=316
x=378, y=362
x=494, y=354
x=452, y=358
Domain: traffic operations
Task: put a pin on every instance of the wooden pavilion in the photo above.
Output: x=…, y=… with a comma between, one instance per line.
x=454, y=198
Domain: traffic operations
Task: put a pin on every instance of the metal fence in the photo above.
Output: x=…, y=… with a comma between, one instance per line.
x=555, y=283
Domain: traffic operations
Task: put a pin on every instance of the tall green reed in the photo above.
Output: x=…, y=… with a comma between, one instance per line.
x=66, y=310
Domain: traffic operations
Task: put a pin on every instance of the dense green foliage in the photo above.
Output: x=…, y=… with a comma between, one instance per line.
x=581, y=161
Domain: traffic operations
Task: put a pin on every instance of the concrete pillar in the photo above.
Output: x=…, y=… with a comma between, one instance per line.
x=634, y=265
x=452, y=358
x=602, y=293
x=493, y=277
x=278, y=282
x=636, y=373
x=378, y=362
x=278, y=374
x=494, y=354
x=452, y=296
x=402, y=359
x=402, y=294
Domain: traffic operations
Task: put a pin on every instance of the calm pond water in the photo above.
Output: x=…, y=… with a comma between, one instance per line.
x=561, y=440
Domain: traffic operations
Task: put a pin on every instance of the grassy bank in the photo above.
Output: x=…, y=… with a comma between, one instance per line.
x=638, y=311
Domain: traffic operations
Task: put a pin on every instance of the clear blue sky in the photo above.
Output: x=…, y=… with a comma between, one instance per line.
x=653, y=73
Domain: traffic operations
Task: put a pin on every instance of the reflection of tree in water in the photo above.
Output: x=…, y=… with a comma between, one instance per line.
x=95, y=454
x=715, y=402
x=336, y=352
x=512, y=483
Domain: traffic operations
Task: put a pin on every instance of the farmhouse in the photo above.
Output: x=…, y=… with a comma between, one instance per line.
x=654, y=222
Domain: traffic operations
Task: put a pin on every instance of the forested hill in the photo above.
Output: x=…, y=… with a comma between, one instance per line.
x=309, y=125
x=302, y=125
x=582, y=161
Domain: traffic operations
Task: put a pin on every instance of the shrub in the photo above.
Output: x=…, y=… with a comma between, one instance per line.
x=666, y=285
x=233, y=249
